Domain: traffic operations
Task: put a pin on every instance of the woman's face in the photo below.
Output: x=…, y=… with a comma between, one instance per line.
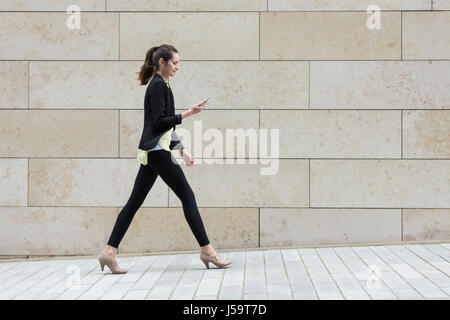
x=172, y=65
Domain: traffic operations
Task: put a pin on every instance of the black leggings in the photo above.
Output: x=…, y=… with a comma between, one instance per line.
x=162, y=163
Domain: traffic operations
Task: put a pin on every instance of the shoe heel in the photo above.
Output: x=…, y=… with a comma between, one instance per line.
x=102, y=264
x=206, y=263
x=112, y=265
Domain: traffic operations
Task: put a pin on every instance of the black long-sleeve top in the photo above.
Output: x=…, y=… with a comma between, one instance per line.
x=159, y=115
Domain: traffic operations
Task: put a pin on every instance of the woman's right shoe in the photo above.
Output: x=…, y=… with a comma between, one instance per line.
x=111, y=263
x=221, y=263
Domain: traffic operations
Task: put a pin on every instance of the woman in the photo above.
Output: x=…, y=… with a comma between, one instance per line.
x=157, y=140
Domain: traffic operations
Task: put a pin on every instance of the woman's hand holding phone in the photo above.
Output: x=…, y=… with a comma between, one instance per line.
x=196, y=108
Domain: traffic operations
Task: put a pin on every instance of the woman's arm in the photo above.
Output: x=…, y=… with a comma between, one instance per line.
x=196, y=108
x=186, y=114
x=175, y=142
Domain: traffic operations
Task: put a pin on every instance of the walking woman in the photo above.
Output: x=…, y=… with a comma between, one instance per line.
x=154, y=153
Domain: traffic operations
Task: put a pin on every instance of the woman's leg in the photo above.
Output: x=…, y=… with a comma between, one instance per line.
x=171, y=173
x=143, y=183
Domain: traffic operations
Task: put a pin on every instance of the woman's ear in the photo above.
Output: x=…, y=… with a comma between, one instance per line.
x=162, y=62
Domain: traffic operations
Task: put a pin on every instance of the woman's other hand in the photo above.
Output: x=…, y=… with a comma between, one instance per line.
x=188, y=158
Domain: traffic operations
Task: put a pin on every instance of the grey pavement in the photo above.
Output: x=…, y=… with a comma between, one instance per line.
x=400, y=271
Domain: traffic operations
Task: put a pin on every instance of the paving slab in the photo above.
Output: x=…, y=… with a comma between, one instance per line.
x=406, y=271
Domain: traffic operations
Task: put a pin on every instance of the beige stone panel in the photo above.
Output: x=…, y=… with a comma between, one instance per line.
x=131, y=126
x=46, y=36
x=13, y=84
x=380, y=84
x=380, y=183
x=198, y=36
x=59, y=133
x=426, y=35
x=88, y=182
x=167, y=230
x=303, y=226
x=243, y=185
x=441, y=5
x=426, y=134
x=336, y=133
x=85, y=231
x=51, y=5
x=13, y=182
x=426, y=224
x=186, y=5
x=331, y=5
x=85, y=85
x=55, y=230
x=242, y=84
x=195, y=130
x=328, y=35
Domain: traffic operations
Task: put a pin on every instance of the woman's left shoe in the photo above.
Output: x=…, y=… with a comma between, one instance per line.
x=221, y=263
x=112, y=264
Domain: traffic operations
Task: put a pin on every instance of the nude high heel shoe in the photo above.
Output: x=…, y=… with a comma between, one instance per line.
x=112, y=264
x=221, y=263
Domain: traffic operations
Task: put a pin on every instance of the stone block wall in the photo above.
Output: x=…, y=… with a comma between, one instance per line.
x=363, y=118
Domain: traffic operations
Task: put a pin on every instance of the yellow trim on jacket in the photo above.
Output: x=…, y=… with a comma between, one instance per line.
x=163, y=142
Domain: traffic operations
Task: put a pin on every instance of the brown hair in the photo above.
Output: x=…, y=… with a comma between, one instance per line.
x=152, y=57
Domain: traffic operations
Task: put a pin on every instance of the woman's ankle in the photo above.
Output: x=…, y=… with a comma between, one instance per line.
x=209, y=250
x=110, y=250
